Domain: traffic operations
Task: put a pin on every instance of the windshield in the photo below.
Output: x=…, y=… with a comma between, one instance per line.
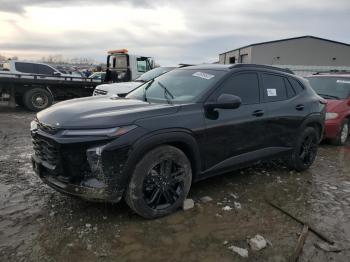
x=331, y=87
x=177, y=86
x=153, y=73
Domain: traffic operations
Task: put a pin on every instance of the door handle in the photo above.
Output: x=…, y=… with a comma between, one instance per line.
x=258, y=113
x=299, y=107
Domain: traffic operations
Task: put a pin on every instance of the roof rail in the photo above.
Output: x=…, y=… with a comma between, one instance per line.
x=334, y=71
x=285, y=70
x=185, y=65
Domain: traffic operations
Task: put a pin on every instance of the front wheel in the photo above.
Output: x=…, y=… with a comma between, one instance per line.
x=160, y=182
x=343, y=134
x=305, y=150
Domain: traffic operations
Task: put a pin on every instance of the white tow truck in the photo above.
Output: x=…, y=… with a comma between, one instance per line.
x=125, y=67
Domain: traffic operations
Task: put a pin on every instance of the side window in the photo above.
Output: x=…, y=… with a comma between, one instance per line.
x=290, y=90
x=296, y=85
x=142, y=65
x=24, y=67
x=274, y=88
x=245, y=85
x=44, y=70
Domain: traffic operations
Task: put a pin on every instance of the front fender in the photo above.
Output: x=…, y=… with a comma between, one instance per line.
x=181, y=138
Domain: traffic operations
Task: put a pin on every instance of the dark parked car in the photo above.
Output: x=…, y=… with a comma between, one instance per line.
x=335, y=88
x=184, y=126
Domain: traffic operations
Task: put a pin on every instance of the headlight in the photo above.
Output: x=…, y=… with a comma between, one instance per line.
x=331, y=116
x=33, y=125
x=108, y=132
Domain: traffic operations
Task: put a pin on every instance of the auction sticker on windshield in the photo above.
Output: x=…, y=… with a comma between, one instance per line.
x=203, y=75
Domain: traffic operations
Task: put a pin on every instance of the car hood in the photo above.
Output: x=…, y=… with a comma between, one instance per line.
x=119, y=88
x=334, y=105
x=100, y=112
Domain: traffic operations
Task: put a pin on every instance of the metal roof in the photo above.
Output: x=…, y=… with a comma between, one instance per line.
x=288, y=39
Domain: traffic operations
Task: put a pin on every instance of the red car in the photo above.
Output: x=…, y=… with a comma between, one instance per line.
x=335, y=88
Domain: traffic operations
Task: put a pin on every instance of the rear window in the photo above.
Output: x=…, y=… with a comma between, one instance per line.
x=331, y=87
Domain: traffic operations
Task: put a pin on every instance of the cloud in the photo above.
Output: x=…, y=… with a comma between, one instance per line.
x=173, y=32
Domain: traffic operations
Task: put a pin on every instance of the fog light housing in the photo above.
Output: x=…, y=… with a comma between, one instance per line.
x=94, y=158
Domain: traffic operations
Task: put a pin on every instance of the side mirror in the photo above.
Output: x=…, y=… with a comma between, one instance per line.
x=224, y=101
x=56, y=74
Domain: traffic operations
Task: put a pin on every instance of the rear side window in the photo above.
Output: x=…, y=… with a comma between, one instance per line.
x=25, y=67
x=44, y=70
x=274, y=88
x=290, y=90
x=245, y=85
x=296, y=85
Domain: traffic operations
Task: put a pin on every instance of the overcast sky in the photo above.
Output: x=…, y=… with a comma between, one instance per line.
x=184, y=31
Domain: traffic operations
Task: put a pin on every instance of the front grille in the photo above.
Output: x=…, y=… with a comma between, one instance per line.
x=100, y=92
x=46, y=151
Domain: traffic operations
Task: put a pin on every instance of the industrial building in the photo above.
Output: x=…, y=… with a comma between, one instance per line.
x=304, y=53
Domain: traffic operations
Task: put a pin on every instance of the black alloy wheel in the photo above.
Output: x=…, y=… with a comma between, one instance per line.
x=160, y=182
x=164, y=184
x=308, y=150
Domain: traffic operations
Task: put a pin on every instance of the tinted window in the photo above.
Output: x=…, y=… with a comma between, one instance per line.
x=296, y=85
x=274, y=88
x=246, y=86
x=44, y=70
x=25, y=67
x=290, y=90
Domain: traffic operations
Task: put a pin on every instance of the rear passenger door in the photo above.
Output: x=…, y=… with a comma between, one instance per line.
x=238, y=131
x=286, y=109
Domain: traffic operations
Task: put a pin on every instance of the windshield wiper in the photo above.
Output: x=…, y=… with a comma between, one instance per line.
x=167, y=93
x=329, y=96
x=145, y=90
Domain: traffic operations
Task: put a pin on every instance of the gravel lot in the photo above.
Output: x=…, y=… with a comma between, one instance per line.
x=39, y=224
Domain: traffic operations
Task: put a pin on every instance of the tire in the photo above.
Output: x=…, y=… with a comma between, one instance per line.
x=37, y=99
x=305, y=150
x=160, y=182
x=343, y=134
x=19, y=100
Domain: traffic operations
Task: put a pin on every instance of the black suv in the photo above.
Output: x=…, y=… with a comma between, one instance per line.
x=184, y=126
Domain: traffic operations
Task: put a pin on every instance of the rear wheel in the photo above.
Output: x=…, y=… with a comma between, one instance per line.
x=160, y=182
x=305, y=150
x=37, y=99
x=343, y=134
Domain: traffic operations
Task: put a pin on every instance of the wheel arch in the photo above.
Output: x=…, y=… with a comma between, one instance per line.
x=315, y=121
x=179, y=138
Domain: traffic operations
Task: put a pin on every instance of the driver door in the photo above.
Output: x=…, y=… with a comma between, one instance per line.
x=232, y=133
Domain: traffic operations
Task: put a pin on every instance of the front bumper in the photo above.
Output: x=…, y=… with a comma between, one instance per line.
x=80, y=170
x=98, y=193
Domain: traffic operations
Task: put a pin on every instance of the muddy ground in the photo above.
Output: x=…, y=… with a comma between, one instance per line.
x=39, y=224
